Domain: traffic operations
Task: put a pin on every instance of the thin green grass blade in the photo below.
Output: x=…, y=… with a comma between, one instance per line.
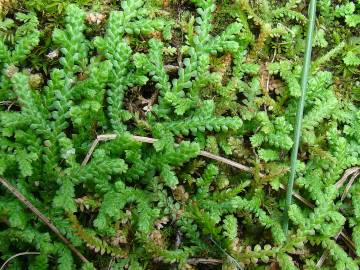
x=300, y=111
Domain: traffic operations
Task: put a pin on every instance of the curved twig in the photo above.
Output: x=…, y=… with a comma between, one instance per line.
x=346, y=174
x=17, y=255
x=348, y=186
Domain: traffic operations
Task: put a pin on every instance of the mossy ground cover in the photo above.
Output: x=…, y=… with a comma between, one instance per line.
x=160, y=86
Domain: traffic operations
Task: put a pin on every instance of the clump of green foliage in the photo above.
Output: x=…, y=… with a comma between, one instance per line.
x=193, y=85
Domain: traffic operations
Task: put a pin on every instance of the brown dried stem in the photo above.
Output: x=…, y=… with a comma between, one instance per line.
x=195, y=261
x=43, y=218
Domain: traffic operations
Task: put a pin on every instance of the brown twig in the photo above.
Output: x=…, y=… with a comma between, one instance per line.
x=195, y=261
x=348, y=186
x=228, y=162
x=346, y=174
x=99, y=138
x=299, y=197
x=43, y=218
x=91, y=150
x=17, y=255
x=348, y=241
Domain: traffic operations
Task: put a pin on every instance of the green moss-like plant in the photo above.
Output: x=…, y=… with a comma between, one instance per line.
x=228, y=85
